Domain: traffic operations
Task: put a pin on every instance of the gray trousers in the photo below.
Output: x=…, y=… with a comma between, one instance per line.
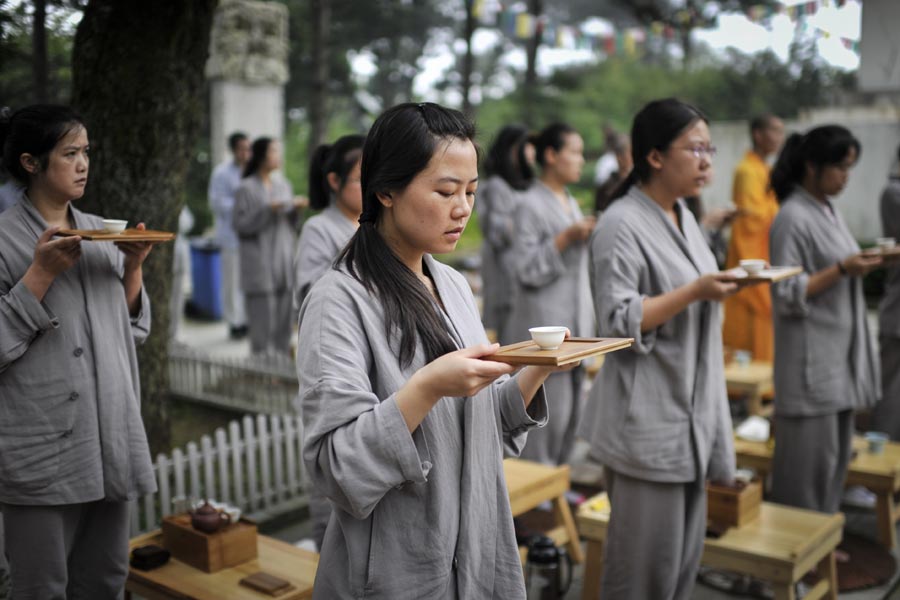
x=269, y=322
x=553, y=443
x=655, y=538
x=232, y=296
x=886, y=415
x=809, y=465
x=67, y=552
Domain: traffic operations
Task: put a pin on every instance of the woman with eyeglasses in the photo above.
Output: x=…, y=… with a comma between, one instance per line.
x=826, y=366
x=658, y=415
x=549, y=262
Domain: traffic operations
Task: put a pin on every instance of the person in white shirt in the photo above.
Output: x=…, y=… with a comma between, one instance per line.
x=222, y=188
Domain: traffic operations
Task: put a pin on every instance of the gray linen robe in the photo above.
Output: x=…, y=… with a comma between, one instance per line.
x=552, y=288
x=421, y=515
x=266, y=248
x=496, y=209
x=825, y=359
x=70, y=420
x=887, y=412
x=321, y=240
x=658, y=411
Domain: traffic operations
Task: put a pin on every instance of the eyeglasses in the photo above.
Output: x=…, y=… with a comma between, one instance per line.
x=699, y=151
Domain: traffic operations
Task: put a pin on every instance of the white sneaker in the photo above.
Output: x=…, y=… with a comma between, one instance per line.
x=859, y=497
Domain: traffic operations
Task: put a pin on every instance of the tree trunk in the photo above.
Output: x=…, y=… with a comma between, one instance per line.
x=137, y=78
x=468, y=58
x=318, y=104
x=39, y=50
x=535, y=7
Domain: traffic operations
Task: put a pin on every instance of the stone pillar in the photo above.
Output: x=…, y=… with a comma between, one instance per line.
x=879, y=67
x=247, y=69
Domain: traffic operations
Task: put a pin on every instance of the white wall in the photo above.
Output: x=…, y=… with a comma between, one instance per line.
x=257, y=110
x=878, y=131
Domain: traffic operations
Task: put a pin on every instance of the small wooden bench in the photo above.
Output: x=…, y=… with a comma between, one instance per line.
x=780, y=546
x=530, y=484
x=753, y=382
x=879, y=473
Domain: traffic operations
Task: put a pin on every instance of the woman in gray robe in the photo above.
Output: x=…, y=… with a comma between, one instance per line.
x=265, y=214
x=658, y=415
x=405, y=424
x=334, y=186
x=826, y=366
x=886, y=416
x=509, y=174
x=549, y=261
x=73, y=451
x=334, y=189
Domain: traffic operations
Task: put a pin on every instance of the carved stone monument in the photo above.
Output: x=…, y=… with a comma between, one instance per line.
x=247, y=69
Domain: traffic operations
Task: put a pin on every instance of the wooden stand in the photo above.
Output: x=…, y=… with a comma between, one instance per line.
x=530, y=484
x=781, y=545
x=232, y=545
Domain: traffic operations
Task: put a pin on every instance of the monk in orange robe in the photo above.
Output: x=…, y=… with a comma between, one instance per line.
x=748, y=314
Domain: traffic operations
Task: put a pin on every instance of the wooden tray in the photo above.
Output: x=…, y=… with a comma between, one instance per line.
x=888, y=256
x=129, y=235
x=770, y=275
x=571, y=350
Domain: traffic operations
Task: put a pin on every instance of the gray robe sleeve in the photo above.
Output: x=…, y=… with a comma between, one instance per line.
x=787, y=247
x=357, y=445
x=515, y=420
x=22, y=318
x=251, y=213
x=313, y=258
x=501, y=217
x=537, y=261
x=616, y=280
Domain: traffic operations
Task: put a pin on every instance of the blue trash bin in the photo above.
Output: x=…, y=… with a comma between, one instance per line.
x=206, y=278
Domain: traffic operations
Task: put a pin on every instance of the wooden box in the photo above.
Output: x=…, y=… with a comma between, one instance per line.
x=733, y=505
x=232, y=545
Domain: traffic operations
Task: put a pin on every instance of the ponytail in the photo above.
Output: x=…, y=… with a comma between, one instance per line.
x=788, y=169
x=819, y=147
x=338, y=158
x=623, y=187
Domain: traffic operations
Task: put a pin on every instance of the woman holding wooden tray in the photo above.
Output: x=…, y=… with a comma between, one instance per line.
x=658, y=415
x=265, y=213
x=406, y=427
x=550, y=271
x=826, y=365
x=72, y=446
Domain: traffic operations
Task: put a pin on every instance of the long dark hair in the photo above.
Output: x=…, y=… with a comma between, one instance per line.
x=33, y=130
x=517, y=173
x=655, y=127
x=399, y=146
x=821, y=146
x=338, y=158
x=258, y=152
x=551, y=136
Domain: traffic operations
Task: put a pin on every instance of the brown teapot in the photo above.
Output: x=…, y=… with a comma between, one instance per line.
x=208, y=519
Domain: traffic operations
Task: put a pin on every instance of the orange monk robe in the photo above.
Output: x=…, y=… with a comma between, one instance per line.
x=748, y=314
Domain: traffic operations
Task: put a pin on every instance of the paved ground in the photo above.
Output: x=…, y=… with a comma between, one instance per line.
x=213, y=337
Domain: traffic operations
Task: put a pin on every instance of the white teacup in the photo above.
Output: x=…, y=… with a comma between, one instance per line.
x=548, y=338
x=753, y=265
x=114, y=225
x=885, y=243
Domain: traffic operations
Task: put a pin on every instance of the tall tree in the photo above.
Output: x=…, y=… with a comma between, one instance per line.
x=138, y=80
x=39, y=50
x=468, y=58
x=318, y=104
x=536, y=9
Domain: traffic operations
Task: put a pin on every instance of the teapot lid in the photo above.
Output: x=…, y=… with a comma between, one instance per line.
x=542, y=550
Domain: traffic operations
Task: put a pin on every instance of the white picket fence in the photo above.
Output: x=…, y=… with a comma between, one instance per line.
x=256, y=465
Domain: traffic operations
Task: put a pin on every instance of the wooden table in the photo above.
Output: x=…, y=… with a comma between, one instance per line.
x=780, y=546
x=176, y=580
x=880, y=473
x=530, y=484
x=751, y=381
